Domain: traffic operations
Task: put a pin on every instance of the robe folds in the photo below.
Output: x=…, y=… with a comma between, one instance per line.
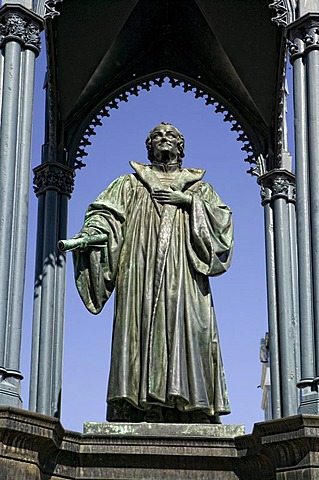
x=165, y=348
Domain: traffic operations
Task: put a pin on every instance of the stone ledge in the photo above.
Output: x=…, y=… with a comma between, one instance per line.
x=163, y=430
x=34, y=447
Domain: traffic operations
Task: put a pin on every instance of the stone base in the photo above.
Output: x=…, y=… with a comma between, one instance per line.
x=309, y=404
x=36, y=447
x=10, y=388
x=163, y=430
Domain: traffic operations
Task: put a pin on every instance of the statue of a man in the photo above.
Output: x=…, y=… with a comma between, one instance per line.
x=167, y=231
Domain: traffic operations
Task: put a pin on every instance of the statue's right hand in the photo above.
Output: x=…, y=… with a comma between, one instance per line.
x=79, y=242
x=84, y=238
x=82, y=241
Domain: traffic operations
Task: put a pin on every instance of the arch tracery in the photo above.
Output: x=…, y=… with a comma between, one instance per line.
x=79, y=138
x=284, y=11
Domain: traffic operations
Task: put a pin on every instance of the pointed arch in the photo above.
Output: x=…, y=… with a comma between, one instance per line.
x=79, y=137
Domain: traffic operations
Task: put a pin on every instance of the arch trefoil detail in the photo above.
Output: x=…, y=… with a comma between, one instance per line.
x=78, y=139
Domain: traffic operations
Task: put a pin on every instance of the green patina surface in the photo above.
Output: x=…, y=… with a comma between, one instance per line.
x=166, y=232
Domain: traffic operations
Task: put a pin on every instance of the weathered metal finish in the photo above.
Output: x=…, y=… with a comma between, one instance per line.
x=22, y=175
x=167, y=232
x=285, y=304
x=278, y=201
x=313, y=155
x=303, y=215
x=305, y=60
x=294, y=282
x=20, y=42
x=8, y=152
x=58, y=340
x=53, y=186
x=36, y=325
x=47, y=305
x=272, y=303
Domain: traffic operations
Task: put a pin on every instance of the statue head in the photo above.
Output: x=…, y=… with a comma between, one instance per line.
x=168, y=127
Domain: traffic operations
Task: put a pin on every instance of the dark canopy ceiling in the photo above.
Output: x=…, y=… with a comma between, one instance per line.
x=228, y=47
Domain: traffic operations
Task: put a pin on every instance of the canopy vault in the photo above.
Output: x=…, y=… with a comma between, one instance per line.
x=232, y=54
x=100, y=51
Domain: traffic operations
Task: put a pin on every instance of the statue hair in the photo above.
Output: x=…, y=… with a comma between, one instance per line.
x=181, y=143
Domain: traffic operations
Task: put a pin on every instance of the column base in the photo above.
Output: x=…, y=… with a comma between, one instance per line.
x=10, y=388
x=309, y=401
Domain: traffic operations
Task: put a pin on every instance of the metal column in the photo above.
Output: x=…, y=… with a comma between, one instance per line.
x=53, y=186
x=20, y=45
x=278, y=202
x=272, y=303
x=305, y=60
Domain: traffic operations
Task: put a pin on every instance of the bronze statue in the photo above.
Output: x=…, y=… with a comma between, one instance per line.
x=156, y=235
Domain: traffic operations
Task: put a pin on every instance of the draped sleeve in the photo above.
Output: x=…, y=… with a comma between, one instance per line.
x=95, y=268
x=209, y=232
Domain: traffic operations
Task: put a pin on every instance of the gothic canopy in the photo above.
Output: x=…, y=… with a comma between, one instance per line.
x=99, y=51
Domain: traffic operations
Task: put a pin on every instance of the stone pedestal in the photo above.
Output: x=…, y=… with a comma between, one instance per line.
x=165, y=451
x=36, y=447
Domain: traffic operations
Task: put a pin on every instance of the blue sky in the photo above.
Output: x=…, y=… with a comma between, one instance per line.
x=239, y=295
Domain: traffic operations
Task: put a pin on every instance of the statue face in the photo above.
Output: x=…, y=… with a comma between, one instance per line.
x=165, y=143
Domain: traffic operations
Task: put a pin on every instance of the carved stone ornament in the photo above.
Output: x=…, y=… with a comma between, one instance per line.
x=281, y=113
x=265, y=195
x=281, y=10
x=49, y=9
x=32, y=36
x=53, y=177
x=304, y=36
x=277, y=184
x=18, y=27
x=285, y=11
x=280, y=186
x=311, y=39
x=293, y=48
x=13, y=26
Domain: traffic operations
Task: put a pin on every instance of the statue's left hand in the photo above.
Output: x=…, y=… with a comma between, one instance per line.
x=172, y=197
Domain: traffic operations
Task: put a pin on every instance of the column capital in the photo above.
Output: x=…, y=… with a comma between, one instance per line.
x=53, y=176
x=22, y=25
x=275, y=184
x=304, y=35
x=302, y=24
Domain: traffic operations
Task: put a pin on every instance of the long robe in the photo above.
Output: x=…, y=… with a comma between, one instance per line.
x=165, y=348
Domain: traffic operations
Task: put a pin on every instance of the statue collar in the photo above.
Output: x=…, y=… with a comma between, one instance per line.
x=166, y=168
x=187, y=177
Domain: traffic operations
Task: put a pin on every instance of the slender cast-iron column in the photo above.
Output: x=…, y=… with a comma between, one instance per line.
x=8, y=147
x=304, y=50
x=53, y=186
x=20, y=43
x=37, y=308
x=312, y=63
x=278, y=198
x=272, y=303
x=60, y=305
